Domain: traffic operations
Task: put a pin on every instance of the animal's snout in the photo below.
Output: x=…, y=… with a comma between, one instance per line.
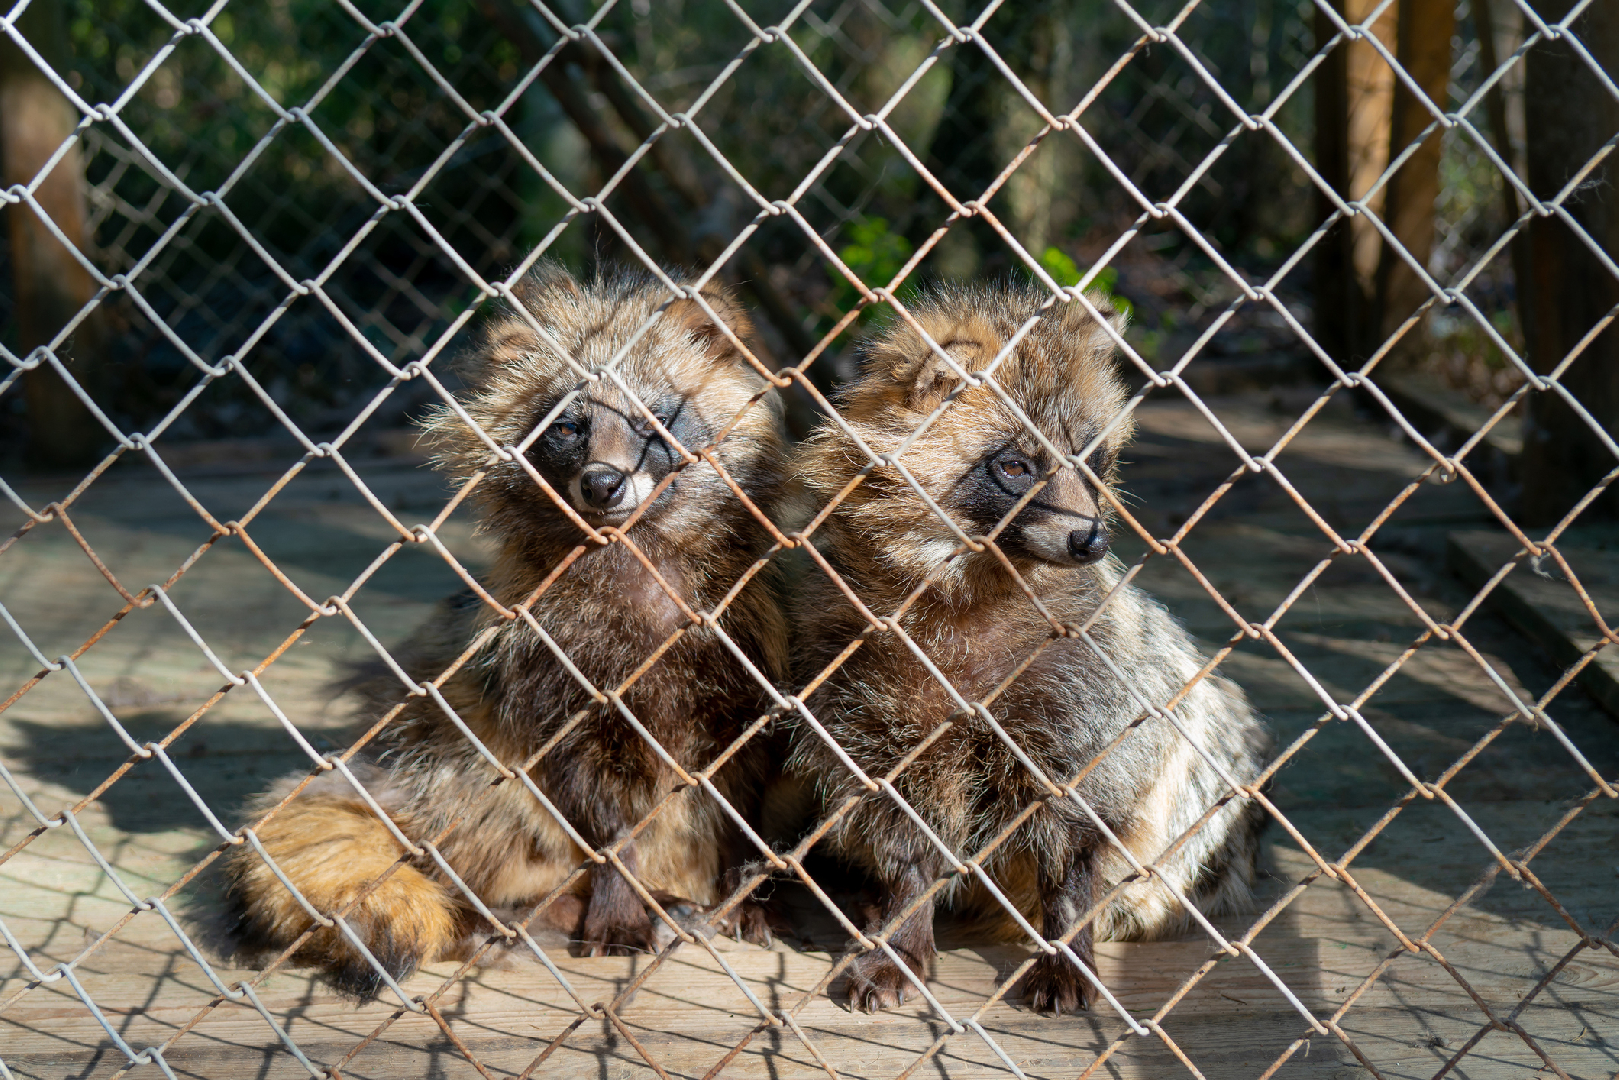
x=603, y=487
x=1088, y=544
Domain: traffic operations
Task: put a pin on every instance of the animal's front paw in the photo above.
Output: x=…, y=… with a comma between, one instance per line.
x=876, y=982
x=1055, y=986
x=623, y=936
x=752, y=921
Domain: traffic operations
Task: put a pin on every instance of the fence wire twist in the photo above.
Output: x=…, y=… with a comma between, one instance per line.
x=104, y=122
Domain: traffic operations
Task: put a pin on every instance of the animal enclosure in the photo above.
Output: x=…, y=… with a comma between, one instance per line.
x=1366, y=255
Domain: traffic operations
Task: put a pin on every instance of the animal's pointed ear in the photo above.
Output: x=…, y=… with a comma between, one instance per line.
x=548, y=281
x=927, y=378
x=690, y=316
x=930, y=380
x=1112, y=315
x=545, y=295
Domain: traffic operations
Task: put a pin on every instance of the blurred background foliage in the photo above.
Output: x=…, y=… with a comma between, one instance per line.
x=384, y=125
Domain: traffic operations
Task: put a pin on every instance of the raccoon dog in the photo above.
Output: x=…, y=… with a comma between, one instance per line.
x=976, y=624
x=607, y=612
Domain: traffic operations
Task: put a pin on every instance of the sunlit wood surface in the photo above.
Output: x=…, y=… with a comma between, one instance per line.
x=1254, y=546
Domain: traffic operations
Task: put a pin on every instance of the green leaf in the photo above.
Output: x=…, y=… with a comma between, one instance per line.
x=875, y=254
x=1061, y=268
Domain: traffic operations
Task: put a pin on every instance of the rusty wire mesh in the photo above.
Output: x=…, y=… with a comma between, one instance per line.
x=410, y=350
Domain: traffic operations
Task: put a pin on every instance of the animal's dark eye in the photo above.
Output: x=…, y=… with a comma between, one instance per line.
x=565, y=428
x=663, y=414
x=1013, y=467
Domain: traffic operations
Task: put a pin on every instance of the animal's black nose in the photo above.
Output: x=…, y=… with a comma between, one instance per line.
x=1088, y=544
x=602, y=486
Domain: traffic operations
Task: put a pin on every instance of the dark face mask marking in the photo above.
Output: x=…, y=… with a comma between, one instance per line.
x=611, y=449
x=1063, y=523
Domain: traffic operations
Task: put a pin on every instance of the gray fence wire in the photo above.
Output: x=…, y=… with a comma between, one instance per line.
x=410, y=356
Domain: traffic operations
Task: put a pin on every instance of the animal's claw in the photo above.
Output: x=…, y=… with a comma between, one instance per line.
x=1054, y=987
x=876, y=982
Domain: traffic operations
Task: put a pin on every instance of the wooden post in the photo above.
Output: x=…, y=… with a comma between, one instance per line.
x=1353, y=95
x=1424, y=51
x=1370, y=102
x=1500, y=130
x=51, y=285
x=1570, y=116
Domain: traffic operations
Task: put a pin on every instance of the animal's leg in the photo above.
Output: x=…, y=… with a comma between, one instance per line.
x=875, y=981
x=332, y=849
x=752, y=919
x=1054, y=985
x=617, y=922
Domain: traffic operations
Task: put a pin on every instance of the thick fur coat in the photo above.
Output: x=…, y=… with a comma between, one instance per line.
x=977, y=462
x=607, y=613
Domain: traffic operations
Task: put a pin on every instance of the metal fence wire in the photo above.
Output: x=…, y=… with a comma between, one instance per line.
x=820, y=157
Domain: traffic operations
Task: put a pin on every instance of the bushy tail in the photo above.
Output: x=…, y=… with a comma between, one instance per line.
x=332, y=849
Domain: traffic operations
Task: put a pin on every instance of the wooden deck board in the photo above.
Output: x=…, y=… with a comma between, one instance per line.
x=1547, y=608
x=1254, y=547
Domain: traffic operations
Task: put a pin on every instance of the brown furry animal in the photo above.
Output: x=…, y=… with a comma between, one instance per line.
x=977, y=461
x=607, y=613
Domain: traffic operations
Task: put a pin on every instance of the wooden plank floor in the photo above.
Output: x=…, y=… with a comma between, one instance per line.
x=1545, y=606
x=1254, y=546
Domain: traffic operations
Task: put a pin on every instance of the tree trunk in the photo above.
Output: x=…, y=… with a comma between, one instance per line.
x=1371, y=106
x=1353, y=96
x=1501, y=131
x=52, y=286
x=1424, y=51
x=1570, y=117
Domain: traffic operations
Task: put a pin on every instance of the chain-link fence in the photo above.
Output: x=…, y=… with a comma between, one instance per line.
x=285, y=222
